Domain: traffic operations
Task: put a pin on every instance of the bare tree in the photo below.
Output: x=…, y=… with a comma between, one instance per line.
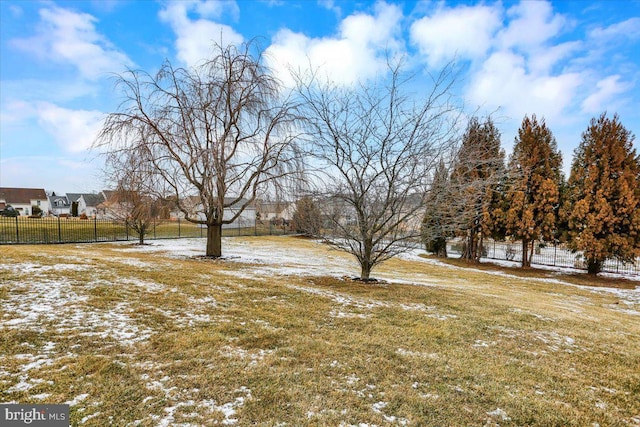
x=307, y=217
x=220, y=132
x=134, y=200
x=377, y=144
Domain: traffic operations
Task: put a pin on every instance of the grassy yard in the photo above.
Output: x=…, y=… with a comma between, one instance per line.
x=276, y=335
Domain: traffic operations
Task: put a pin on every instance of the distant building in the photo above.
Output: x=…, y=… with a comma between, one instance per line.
x=85, y=203
x=24, y=199
x=59, y=205
x=247, y=217
x=270, y=211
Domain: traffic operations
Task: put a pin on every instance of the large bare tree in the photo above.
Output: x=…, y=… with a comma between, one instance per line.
x=220, y=131
x=376, y=145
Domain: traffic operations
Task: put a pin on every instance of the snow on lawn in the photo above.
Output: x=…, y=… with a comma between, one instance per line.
x=629, y=298
x=266, y=258
x=35, y=300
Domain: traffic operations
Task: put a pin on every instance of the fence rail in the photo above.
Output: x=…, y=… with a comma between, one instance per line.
x=48, y=230
x=550, y=254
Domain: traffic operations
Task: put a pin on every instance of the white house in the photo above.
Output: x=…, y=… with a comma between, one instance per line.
x=87, y=203
x=24, y=199
x=246, y=219
x=59, y=205
x=275, y=210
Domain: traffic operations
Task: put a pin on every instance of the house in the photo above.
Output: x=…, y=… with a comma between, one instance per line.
x=85, y=203
x=246, y=219
x=59, y=205
x=272, y=211
x=24, y=199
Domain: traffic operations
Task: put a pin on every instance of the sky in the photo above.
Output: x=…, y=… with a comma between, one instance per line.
x=565, y=61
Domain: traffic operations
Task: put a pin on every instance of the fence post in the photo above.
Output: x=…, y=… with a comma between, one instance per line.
x=17, y=231
x=555, y=252
x=95, y=228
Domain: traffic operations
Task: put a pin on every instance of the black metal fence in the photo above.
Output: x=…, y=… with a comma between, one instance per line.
x=549, y=254
x=47, y=230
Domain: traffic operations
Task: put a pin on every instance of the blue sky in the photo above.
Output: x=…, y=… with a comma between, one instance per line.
x=566, y=61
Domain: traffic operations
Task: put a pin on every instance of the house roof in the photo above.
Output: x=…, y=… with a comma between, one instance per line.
x=91, y=199
x=22, y=195
x=54, y=199
x=272, y=207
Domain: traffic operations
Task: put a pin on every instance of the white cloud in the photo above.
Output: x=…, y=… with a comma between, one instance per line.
x=532, y=23
x=195, y=38
x=465, y=32
x=604, y=94
x=357, y=52
x=503, y=81
x=71, y=38
x=628, y=29
x=73, y=130
x=331, y=5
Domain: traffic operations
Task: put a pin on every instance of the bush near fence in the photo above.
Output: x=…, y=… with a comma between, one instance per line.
x=548, y=254
x=48, y=230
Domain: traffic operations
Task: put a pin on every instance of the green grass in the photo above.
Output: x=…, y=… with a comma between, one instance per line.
x=134, y=338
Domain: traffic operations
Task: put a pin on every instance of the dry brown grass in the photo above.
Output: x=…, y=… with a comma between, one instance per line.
x=132, y=337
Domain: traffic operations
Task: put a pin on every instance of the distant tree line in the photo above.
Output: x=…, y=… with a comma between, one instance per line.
x=596, y=211
x=371, y=159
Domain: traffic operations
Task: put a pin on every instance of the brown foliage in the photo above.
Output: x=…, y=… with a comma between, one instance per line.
x=604, y=193
x=533, y=195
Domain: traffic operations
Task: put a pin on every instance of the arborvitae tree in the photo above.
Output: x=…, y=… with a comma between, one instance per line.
x=478, y=170
x=604, y=191
x=307, y=217
x=533, y=193
x=436, y=222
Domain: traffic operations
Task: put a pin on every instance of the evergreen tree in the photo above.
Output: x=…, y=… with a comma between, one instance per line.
x=435, y=225
x=533, y=195
x=604, y=193
x=478, y=171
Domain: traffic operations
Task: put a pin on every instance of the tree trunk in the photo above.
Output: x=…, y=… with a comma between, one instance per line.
x=214, y=240
x=525, y=253
x=470, y=249
x=365, y=262
x=594, y=266
x=440, y=247
x=141, y=238
x=365, y=272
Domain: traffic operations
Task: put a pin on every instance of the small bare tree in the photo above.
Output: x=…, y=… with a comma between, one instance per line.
x=377, y=145
x=307, y=218
x=219, y=132
x=134, y=200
